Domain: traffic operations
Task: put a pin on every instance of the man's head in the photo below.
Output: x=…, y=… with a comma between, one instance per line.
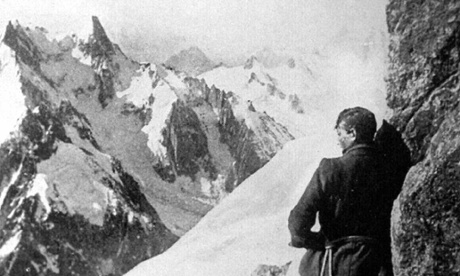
x=355, y=125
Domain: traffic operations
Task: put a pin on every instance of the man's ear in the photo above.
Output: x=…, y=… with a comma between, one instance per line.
x=352, y=133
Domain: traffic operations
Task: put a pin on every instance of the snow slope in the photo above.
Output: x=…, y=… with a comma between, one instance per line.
x=249, y=227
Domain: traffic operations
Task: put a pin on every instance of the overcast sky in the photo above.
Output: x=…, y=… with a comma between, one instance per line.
x=223, y=29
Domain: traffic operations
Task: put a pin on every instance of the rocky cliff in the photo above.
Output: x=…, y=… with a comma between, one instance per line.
x=423, y=91
x=208, y=150
x=252, y=140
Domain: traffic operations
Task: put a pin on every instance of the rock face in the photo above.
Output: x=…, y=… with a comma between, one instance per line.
x=271, y=270
x=423, y=91
x=252, y=141
x=209, y=151
x=186, y=142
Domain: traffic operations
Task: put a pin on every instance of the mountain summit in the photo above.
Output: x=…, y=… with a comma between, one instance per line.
x=100, y=37
x=191, y=61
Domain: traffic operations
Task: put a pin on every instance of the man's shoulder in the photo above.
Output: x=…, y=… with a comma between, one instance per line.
x=330, y=166
x=330, y=162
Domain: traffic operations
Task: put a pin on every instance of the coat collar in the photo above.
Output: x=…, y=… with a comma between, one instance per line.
x=358, y=147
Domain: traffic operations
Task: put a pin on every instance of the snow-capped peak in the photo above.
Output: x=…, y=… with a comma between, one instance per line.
x=191, y=61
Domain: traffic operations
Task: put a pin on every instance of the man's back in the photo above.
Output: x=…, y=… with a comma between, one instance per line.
x=352, y=187
x=353, y=196
x=345, y=193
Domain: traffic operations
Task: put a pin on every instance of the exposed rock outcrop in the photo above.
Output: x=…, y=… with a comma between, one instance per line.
x=271, y=270
x=209, y=150
x=187, y=143
x=423, y=91
x=252, y=140
x=114, y=70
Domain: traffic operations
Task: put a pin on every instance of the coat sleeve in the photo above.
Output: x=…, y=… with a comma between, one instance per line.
x=303, y=216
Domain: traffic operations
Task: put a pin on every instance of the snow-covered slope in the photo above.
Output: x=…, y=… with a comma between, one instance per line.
x=249, y=227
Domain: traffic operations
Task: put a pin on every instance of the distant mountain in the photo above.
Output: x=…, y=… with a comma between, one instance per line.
x=191, y=61
x=283, y=91
x=204, y=141
x=270, y=58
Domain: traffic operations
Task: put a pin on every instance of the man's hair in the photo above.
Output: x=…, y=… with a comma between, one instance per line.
x=362, y=120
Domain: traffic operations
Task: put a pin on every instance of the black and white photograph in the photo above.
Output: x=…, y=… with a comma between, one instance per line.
x=229, y=138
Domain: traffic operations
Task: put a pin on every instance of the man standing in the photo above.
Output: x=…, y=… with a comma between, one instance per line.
x=352, y=196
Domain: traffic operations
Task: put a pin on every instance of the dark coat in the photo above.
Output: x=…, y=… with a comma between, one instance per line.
x=353, y=195
x=347, y=193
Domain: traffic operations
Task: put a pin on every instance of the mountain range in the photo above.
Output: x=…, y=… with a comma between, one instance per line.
x=107, y=161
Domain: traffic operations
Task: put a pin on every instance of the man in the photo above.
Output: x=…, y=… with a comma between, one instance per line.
x=352, y=196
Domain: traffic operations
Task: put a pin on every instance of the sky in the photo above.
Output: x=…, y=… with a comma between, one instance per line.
x=225, y=30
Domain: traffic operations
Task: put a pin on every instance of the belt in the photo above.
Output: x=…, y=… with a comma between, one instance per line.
x=338, y=242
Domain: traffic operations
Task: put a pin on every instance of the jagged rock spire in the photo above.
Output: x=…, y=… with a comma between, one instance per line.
x=100, y=37
x=16, y=38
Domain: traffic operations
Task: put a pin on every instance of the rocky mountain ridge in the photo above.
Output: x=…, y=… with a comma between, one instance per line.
x=201, y=147
x=66, y=207
x=112, y=159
